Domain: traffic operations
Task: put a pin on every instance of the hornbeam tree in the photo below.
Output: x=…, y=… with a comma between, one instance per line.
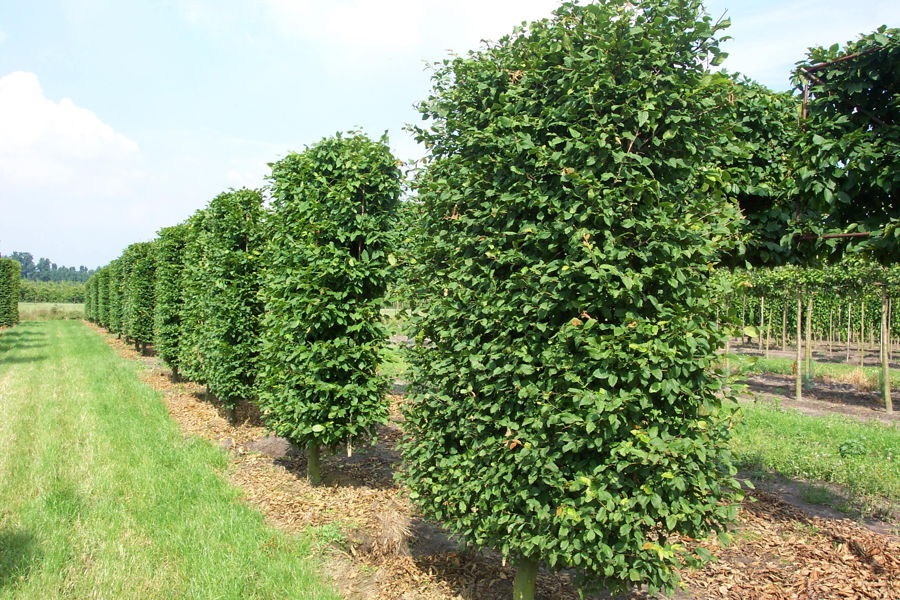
x=567, y=407
x=328, y=264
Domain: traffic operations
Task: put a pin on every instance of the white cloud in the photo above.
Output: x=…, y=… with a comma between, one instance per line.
x=58, y=145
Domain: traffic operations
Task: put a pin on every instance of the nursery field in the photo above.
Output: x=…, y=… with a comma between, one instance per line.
x=102, y=497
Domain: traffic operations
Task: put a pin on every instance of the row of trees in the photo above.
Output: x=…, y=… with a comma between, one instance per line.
x=45, y=270
x=300, y=337
x=848, y=304
x=9, y=292
x=587, y=174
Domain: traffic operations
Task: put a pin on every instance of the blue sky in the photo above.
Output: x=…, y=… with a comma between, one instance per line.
x=118, y=117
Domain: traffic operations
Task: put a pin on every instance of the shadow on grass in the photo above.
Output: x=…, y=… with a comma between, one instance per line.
x=18, y=555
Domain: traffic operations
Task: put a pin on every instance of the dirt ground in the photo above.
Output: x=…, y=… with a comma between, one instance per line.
x=385, y=551
x=822, y=352
x=822, y=398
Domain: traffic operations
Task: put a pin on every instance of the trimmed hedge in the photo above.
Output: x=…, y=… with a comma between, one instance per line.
x=327, y=268
x=138, y=304
x=222, y=294
x=10, y=272
x=168, y=327
x=566, y=407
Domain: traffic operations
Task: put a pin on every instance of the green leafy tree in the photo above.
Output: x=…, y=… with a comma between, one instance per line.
x=231, y=238
x=168, y=327
x=115, y=294
x=138, y=302
x=193, y=319
x=9, y=292
x=850, y=168
x=328, y=265
x=566, y=404
x=103, y=296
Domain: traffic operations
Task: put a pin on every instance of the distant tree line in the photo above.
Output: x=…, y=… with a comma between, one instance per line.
x=44, y=270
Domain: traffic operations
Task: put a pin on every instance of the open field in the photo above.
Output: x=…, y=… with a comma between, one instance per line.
x=102, y=497
x=42, y=311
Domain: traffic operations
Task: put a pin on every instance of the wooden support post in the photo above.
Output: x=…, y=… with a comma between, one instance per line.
x=885, y=363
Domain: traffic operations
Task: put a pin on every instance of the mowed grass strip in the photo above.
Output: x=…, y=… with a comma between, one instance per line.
x=102, y=497
x=864, y=456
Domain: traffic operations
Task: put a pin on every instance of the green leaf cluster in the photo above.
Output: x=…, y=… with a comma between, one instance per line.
x=10, y=272
x=328, y=263
x=169, y=295
x=138, y=276
x=566, y=405
x=220, y=295
x=850, y=167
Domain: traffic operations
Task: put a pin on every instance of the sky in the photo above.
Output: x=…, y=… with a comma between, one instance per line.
x=119, y=117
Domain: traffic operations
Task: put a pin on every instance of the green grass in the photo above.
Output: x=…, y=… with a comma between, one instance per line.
x=102, y=497
x=864, y=456
x=864, y=377
x=42, y=311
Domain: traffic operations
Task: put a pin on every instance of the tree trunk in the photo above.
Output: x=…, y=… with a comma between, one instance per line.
x=849, y=331
x=313, y=466
x=762, y=321
x=798, y=364
x=885, y=363
x=862, y=333
x=809, y=362
x=526, y=580
x=784, y=325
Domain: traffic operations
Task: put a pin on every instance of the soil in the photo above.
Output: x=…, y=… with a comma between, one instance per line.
x=822, y=398
x=822, y=352
x=388, y=552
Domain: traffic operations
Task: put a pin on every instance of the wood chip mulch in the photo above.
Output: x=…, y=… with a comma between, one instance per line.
x=389, y=553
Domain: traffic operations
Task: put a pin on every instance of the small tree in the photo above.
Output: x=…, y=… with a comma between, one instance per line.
x=168, y=327
x=328, y=265
x=566, y=402
x=115, y=297
x=9, y=292
x=229, y=339
x=138, y=303
x=193, y=319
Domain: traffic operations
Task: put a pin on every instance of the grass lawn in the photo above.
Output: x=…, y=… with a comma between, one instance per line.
x=102, y=497
x=863, y=456
x=41, y=311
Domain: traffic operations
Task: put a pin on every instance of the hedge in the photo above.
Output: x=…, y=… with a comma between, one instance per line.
x=328, y=263
x=565, y=404
x=10, y=271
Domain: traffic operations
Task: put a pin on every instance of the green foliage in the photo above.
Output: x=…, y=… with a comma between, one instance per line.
x=328, y=265
x=221, y=295
x=850, y=167
x=67, y=292
x=168, y=329
x=758, y=136
x=9, y=292
x=138, y=302
x=193, y=284
x=90, y=298
x=115, y=295
x=103, y=303
x=565, y=401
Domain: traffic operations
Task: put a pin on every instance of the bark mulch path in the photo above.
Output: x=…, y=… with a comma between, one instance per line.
x=389, y=553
